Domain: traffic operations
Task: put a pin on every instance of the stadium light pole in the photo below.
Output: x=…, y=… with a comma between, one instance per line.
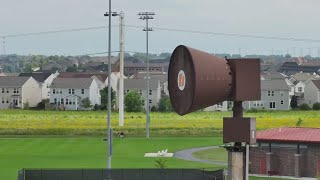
x=109, y=130
x=146, y=16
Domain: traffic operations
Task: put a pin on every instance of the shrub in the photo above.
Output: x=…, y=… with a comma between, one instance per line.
x=165, y=104
x=161, y=163
x=43, y=104
x=299, y=122
x=153, y=109
x=304, y=107
x=86, y=103
x=132, y=102
x=104, y=98
x=255, y=110
x=294, y=102
x=26, y=105
x=316, y=106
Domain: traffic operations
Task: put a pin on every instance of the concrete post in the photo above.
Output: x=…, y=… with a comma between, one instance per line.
x=235, y=166
x=269, y=161
x=297, y=165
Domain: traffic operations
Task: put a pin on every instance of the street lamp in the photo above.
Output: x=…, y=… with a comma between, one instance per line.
x=109, y=131
x=146, y=16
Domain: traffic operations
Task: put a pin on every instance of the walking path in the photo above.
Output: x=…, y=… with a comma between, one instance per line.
x=187, y=155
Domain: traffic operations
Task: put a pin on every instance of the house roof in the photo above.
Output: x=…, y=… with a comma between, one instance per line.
x=101, y=76
x=290, y=134
x=316, y=83
x=140, y=84
x=38, y=76
x=274, y=85
x=76, y=83
x=303, y=76
x=161, y=76
x=13, y=81
x=274, y=75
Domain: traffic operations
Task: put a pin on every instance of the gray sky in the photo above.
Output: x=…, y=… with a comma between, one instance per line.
x=281, y=18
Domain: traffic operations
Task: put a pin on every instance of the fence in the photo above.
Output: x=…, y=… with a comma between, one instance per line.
x=120, y=174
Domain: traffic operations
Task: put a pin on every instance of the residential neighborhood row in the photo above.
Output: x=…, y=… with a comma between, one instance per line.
x=67, y=90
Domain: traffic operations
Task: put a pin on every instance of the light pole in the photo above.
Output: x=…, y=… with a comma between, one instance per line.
x=109, y=131
x=146, y=16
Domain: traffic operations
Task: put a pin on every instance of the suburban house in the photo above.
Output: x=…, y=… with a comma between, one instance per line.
x=161, y=76
x=290, y=68
x=312, y=93
x=16, y=92
x=275, y=95
x=44, y=79
x=68, y=93
x=139, y=85
x=101, y=78
x=286, y=152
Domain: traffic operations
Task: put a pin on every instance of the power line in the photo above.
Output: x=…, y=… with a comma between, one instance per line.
x=167, y=29
x=232, y=34
x=55, y=31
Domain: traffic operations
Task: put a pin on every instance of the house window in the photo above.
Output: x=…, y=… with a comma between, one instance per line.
x=55, y=101
x=71, y=91
x=82, y=91
x=272, y=105
x=7, y=90
x=281, y=101
x=150, y=92
x=67, y=101
x=53, y=91
x=299, y=89
x=62, y=101
x=2, y=90
x=150, y=101
x=281, y=93
x=60, y=90
x=269, y=93
x=7, y=100
x=73, y=102
x=272, y=93
x=14, y=90
x=3, y=100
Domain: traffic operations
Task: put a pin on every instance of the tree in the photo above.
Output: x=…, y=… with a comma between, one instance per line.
x=294, y=102
x=165, y=104
x=288, y=56
x=316, y=106
x=133, y=102
x=28, y=68
x=72, y=69
x=104, y=98
x=86, y=103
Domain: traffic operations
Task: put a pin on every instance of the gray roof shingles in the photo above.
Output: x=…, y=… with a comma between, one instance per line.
x=140, y=84
x=274, y=85
x=74, y=83
x=13, y=81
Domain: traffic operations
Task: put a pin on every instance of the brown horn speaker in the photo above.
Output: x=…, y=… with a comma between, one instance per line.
x=197, y=80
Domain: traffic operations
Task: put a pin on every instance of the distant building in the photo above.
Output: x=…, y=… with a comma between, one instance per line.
x=218, y=107
x=16, y=92
x=44, y=79
x=275, y=95
x=139, y=85
x=286, y=152
x=290, y=68
x=161, y=76
x=312, y=93
x=68, y=93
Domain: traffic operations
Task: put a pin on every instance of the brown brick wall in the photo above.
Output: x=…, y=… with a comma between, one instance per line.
x=283, y=160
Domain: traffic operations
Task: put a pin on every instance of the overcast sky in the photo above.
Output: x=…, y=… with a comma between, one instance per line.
x=280, y=18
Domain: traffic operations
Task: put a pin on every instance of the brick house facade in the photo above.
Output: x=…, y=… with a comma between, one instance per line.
x=287, y=152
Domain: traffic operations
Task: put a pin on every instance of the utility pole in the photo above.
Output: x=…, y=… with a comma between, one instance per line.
x=146, y=16
x=4, y=45
x=109, y=131
x=121, y=106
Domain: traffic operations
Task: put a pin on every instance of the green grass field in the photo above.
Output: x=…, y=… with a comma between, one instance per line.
x=18, y=153
x=219, y=154
x=24, y=122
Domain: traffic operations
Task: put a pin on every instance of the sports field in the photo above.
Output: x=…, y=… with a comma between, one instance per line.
x=90, y=152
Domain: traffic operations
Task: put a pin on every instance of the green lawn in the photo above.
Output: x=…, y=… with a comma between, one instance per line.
x=218, y=154
x=18, y=153
x=26, y=122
